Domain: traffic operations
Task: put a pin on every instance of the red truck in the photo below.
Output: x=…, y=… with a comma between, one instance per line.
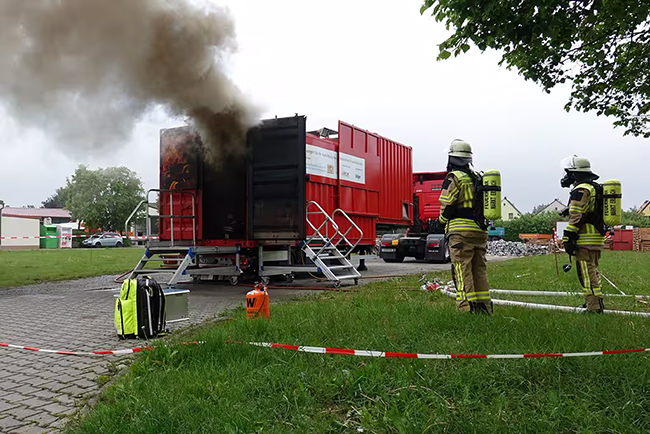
x=421, y=241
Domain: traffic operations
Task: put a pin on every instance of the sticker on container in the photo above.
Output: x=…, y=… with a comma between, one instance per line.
x=321, y=162
x=352, y=168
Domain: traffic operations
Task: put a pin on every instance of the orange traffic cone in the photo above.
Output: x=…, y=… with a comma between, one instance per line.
x=257, y=302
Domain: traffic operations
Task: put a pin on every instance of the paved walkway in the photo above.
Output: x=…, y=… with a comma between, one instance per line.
x=39, y=390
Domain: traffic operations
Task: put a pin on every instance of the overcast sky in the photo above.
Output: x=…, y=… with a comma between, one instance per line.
x=372, y=63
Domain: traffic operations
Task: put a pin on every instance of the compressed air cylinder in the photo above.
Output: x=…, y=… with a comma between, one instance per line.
x=257, y=303
x=492, y=195
x=612, y=194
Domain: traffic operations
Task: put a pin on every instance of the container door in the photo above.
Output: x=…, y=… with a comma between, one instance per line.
x=277, y=180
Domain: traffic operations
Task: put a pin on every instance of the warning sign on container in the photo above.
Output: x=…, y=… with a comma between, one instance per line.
x=321, y=162
x=352, y=168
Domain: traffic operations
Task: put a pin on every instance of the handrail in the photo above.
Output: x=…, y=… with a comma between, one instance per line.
x=317, y=231
x=135, y=211
x=171, y=212
x=344, y=235
x=171, y=215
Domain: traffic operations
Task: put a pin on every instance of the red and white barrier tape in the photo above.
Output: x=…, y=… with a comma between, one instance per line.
x=344, y=351
x=367, y=353
x=70, y=236
x=87, y=353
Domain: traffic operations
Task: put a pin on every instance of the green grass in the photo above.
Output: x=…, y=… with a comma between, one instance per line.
x=227, y=388
x=630, y=271
x=19, y=268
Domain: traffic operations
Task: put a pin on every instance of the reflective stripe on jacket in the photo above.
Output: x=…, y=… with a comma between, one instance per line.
x=459, y=192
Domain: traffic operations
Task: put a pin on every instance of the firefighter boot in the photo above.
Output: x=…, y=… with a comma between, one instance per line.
x=464, y=306
x=484, y=307
x=594, y=304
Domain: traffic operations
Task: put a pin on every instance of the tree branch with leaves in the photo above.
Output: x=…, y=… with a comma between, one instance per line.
x=601, y=47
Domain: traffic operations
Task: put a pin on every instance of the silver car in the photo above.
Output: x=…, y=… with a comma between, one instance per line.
x=106, y=239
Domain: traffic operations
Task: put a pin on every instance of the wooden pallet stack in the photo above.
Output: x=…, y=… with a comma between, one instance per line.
x=641, y=239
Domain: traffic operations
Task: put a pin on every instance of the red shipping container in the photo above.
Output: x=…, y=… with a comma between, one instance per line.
x=365, y=175
x=259, y=199
x=623, y=239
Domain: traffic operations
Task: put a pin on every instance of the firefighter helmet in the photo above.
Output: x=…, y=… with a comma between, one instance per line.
x=577, y=169
x=576, y=164
x=460, y=148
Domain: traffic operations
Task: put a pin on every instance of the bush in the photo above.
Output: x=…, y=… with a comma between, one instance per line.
x=635, y=219
x=543, y=223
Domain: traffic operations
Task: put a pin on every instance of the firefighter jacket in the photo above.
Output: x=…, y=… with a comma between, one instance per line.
x=456, y=204
x=582, y=208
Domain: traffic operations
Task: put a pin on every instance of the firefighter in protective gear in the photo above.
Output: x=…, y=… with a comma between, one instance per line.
x=582, y=237
x=467, y=239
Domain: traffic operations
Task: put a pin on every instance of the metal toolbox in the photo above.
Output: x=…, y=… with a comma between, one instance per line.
x=176, y=304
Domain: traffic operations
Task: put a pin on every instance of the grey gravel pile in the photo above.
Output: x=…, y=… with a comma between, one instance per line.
x=512, y=248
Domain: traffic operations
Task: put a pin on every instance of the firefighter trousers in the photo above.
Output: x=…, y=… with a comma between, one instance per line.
x=589, y=277
x=469, y=270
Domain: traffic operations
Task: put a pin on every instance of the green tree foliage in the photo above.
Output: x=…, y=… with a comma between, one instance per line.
x=103, y=198
x=538, y=208
x=57, y=200
x=601, y=46
x=633, y=218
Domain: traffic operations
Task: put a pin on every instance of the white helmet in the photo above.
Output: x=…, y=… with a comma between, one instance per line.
x=460, y=148
x=576, y=164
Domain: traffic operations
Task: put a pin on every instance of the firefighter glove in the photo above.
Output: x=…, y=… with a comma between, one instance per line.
x=570, y=241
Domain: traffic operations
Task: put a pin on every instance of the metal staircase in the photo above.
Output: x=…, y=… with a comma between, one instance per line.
x=328, y=247
x=175, y=261
x=325, y=246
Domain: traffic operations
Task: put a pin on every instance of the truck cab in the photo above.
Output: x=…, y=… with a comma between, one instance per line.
x=422, y=241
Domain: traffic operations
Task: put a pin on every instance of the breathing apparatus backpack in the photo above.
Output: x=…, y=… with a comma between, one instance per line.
x=607, y=206
x=487, y=198
x=140, y=309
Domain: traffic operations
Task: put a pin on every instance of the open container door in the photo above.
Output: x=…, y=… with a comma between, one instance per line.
x=277, y=181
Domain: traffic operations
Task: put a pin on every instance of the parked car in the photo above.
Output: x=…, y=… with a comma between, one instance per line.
x=106, y=239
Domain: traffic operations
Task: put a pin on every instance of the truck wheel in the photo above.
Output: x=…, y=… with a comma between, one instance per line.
x=234, y=280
